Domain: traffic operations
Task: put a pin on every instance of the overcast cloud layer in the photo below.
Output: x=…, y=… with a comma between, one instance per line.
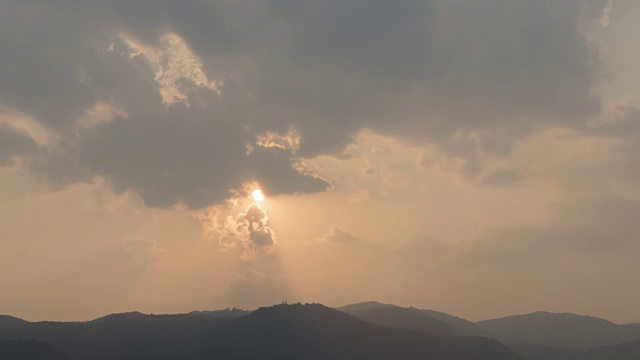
x=164, y=98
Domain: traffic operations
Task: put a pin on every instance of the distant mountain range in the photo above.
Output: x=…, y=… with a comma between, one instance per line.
x=280, y=332
x=360, y=331
x=429, y=321
x=538, y=336
x=559, y=330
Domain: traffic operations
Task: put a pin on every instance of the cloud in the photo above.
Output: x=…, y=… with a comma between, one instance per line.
x=434, y=67
x=605, y=20
x=197, y=164
x=624, y=123
x=13, y=143
x=177, y=70
x=623, y=127
x=338, y=236
x=189, y=89
x=251, y=231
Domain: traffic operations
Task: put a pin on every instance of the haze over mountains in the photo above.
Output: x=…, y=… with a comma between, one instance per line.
x=538, y=336
x=562, y=330
x=428, y=321
x=360, y=331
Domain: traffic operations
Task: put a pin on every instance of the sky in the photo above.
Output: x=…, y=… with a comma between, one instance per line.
x=479, y=158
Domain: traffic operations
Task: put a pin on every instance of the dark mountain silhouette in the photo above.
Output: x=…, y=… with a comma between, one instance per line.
x=459, y=326
x=28, y=350
x=558, y=330
x=624, y=351
x=404, y=318
x=278, y=332
x=360, y=331
x=6, y=320
x=545, y=352
x=125, y=336
x=316, y=332
x=537, y=336
x=429, y=321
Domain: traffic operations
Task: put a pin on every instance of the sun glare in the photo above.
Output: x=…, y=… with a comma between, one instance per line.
x=257, y=195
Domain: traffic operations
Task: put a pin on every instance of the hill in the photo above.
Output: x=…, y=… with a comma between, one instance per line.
x=368, y=305
x=539, y=335
x=314, y=331
x=459, y=326
x=624, y=351
x=278, y=332
x=428, y=321
x=28, y=350
x=558, y=330
x=404, y=318
x=125, y=336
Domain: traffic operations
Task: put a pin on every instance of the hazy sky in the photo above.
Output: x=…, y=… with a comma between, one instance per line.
x=480, y=158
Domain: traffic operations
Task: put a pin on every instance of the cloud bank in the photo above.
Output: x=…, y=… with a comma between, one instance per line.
x=172, y=102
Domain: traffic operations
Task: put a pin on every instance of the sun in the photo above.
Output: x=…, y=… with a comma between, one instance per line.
x=257, y=195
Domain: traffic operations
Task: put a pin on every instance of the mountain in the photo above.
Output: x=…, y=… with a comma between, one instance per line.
x=125, y=336
x=278, y=332
x=545, y=352
x=624, y=351
x=6, y=320
x=314, y=331
x=459, y=326
x=28, y=350
x=428, y=321
x=558, y=330
x=368, y=305
x=403, y=318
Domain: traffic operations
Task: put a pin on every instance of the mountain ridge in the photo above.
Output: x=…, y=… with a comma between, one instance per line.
x=564, y=330
x=297, y=331
x=539, y=335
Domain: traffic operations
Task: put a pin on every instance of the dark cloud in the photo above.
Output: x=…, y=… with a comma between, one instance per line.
x=426, y=70
x=169, y=154
x=191, y=85
x=374, y=37
x=45, y=58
